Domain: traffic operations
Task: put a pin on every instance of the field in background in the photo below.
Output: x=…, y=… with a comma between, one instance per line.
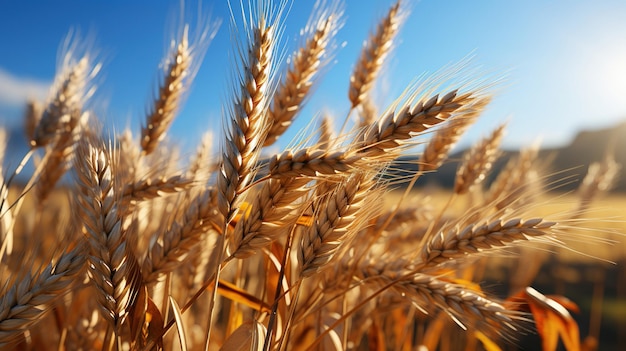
x=591, y=272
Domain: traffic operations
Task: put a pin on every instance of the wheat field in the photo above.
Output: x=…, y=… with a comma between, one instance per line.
x=115, y=243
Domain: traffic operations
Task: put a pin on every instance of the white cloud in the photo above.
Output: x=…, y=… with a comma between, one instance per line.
x=15, y=91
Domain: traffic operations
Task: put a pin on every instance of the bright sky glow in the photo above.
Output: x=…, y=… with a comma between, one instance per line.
x=565, y=60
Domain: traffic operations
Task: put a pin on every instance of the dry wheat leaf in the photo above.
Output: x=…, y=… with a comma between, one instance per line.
x=155, y=323
x=179, y=324
x=248, y=337
x=137, y=315
x=235, y=293
x=553, y=320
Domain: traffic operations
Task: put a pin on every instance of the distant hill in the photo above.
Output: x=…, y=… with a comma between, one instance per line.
x=570, y=160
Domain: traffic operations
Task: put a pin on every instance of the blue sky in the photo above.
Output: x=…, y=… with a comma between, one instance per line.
x=565, y=60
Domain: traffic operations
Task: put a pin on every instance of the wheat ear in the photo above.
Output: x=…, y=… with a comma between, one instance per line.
x=443, y=141
x=512, y=182
x=66, y=102
x=248, y=121
x=478, y=161
x=201, y=165
x=166, y=105
x=339, y=215
x=600, y=178
x=464, y=305
x=394, y=127
x=267, y=217
x=114, y=270
x=311, y=162
x=373, y=55
x=29, y=298
x=326, y=133
x=60, y=154
x=293, y=91
x=130, y=163
x=152, y=188
x=169, y=252
x=455, y=243
x=32, y=116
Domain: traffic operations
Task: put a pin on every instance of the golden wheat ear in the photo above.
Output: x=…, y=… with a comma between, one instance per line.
x=70, y=91
x=28, y=299
x=600, y=178
x=114, y=270
x=478, y=161
x=247, y=117
x=373, y=54
x=165, y=107
x=180, y=70
x=443, y=141
x=306, y=64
